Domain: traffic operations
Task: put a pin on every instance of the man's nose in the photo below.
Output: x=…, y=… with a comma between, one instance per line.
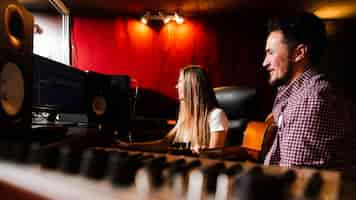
x=265, y=63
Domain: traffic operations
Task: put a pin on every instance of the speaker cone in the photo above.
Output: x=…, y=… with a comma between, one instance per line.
x=11, y=89
x=99, y=105
x=14, y=25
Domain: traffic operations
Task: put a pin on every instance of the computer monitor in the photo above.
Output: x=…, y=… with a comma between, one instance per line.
x=58, y=86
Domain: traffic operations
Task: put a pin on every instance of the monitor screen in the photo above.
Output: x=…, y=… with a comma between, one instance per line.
x=58, y=85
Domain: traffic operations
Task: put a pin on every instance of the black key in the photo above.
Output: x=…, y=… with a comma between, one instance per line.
x=156, y=161
x=313, y=187
x=176, y=165
x=155, y=168
x=287, y=179
x=235, y=169
x=193, y=164
x=181, y=170
x=255, y=185
x=211, y=173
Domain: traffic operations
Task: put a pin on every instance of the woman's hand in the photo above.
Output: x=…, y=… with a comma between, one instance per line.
x=211, y=152
x=121, y=144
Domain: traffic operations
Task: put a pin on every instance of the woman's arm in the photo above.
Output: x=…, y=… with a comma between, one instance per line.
x=217, y=139
x=155, y=146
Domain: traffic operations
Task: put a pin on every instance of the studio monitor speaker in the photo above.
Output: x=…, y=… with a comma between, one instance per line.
x=16, y=60
x=108, y=103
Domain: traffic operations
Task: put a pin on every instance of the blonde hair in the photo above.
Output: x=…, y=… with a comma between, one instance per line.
x=199, y=98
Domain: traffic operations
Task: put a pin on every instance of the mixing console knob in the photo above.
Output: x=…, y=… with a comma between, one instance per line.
x=19, y=152
x=69, y=160
x=14, y=151
x=93, y=163
x=49, y=158
x=122, y=169
x=34, y=154
x=4, y=149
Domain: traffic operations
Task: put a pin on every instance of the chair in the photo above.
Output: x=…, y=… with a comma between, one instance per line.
x=240, y=106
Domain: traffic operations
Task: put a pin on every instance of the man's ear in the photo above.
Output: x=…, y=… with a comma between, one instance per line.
x=300, y=52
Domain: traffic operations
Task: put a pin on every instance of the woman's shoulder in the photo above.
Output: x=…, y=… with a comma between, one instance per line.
x=217, y=111
x=218, y=120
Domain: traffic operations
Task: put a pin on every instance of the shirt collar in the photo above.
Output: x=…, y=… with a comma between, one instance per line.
x=286, y=90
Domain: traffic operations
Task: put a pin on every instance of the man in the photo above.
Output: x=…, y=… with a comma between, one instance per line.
x=314, y=125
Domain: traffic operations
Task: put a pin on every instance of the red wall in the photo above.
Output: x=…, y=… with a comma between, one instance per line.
x=230, y=47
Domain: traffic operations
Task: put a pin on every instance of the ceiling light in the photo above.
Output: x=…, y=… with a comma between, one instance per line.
x=167, y=20
x=178, y=19
x=144, y=20
x=160, y=16
x=336, y=11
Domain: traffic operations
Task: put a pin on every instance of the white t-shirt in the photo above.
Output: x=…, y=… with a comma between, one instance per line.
x=218, y=120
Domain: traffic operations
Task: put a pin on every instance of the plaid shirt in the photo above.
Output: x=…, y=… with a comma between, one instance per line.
x=315, y=127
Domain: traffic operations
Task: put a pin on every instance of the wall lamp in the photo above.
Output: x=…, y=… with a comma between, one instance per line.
x=160, y=16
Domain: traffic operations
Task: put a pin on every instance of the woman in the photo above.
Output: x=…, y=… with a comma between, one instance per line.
x=201, y=123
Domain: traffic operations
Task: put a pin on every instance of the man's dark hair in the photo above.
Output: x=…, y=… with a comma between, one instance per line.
x=304, y=28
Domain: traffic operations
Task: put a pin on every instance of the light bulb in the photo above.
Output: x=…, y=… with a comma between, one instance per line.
x=143, y=20
x=179, y=20
x=167, y=20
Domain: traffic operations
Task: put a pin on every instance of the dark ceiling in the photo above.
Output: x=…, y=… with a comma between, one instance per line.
x=188, y=7
x=195, y=7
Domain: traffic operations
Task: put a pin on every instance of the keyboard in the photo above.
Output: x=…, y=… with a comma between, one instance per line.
x=111, y=173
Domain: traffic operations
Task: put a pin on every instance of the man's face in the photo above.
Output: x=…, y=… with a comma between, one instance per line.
x=277, y=62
